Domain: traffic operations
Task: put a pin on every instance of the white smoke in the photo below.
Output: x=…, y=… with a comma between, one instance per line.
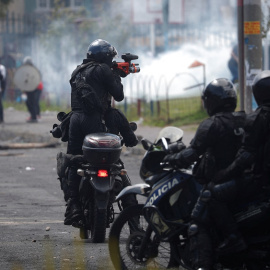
x=170, y=72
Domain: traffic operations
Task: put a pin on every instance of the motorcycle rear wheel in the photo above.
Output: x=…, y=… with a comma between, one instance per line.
x=125, y=238
x=96, y=224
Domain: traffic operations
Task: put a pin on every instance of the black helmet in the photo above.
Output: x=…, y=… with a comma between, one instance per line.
x=101, y=51
x=261, y=87
x=218, y=96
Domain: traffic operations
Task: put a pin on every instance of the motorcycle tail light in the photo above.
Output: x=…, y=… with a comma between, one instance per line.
x=102, y=173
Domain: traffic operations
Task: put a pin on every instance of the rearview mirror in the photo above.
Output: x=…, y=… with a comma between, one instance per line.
x=146, y=144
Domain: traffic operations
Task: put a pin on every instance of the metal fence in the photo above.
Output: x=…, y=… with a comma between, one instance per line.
x=147, y=98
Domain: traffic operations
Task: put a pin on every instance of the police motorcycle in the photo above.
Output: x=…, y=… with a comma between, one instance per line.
x=103, y=175
x=154, y=234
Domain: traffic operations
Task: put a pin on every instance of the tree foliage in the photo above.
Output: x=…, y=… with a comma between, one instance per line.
x=72, y=31
x=3, y=7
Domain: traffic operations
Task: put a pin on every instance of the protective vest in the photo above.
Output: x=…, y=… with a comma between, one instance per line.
x=217, y=141
x=84, y=97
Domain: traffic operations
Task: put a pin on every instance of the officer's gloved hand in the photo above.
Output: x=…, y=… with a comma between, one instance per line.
x=120, y=72
x=173, y=160
x=131, y=143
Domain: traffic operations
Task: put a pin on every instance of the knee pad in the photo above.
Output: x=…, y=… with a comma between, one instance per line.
x=193, y=229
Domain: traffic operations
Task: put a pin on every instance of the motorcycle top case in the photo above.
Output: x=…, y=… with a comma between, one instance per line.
x=101, y=148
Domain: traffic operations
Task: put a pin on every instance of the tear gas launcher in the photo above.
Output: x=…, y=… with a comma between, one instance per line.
x=127, y=66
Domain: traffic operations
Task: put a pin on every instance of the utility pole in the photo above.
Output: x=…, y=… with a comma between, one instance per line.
x=165, y=10
x=241, y=53
x=253, y=46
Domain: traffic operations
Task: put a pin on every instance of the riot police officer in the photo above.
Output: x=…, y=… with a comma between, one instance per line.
x=251, y=167
x=2, y=90
x=217, y=143
x=93, y=83
x=254, y=155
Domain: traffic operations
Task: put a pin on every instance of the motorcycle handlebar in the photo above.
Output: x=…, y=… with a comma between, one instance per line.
x=176, y=147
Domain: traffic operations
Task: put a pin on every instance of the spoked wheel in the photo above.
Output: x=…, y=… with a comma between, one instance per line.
x=126, y=237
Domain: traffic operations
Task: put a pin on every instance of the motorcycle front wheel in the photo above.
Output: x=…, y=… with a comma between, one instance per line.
x=127, y=234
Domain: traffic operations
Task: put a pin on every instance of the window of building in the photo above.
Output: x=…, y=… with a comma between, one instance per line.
x=47, y=4
x=42, y=3
x=62, y=3
x=76, y=3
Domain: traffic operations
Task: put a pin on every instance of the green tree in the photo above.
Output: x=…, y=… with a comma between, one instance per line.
x=3, y=7
x=64, y=36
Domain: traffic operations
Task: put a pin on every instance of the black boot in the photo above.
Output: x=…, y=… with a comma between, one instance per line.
x=233, y=243
x=201, y=250
x=74, y=215
x=225, y=223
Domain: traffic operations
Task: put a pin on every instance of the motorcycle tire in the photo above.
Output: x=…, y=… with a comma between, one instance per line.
x=125, y=237
x=98, y=224
x=84, y=233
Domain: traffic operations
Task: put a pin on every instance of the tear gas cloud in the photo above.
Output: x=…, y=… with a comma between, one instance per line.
x=156, y=72
x=170, y=68
x=170, y=72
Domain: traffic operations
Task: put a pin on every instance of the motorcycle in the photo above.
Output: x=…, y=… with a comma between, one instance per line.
x=155, y=234
x=103, y=177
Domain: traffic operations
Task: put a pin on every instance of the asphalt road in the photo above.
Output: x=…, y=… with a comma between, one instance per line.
x=32, y=207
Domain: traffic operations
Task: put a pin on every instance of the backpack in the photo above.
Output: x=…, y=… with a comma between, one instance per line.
x=205, y=168
x=85, y=93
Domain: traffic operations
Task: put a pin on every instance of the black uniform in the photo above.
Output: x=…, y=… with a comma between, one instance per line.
x=93, y=84
x=254, y=154
x=105, y=84
x=216, y=133
x=214, y=147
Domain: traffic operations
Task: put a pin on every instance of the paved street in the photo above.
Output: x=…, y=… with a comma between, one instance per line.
x=31, y=203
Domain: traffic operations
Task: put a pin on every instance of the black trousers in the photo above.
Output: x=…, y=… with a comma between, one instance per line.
x=81, y=125
x=32, y=103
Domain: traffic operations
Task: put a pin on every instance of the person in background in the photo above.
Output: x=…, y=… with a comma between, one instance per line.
x=32, y=101
x=233, y=63
x=2, y=90
x=38, y=96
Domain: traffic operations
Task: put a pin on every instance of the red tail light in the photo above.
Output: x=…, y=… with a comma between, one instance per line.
x=102, y=173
